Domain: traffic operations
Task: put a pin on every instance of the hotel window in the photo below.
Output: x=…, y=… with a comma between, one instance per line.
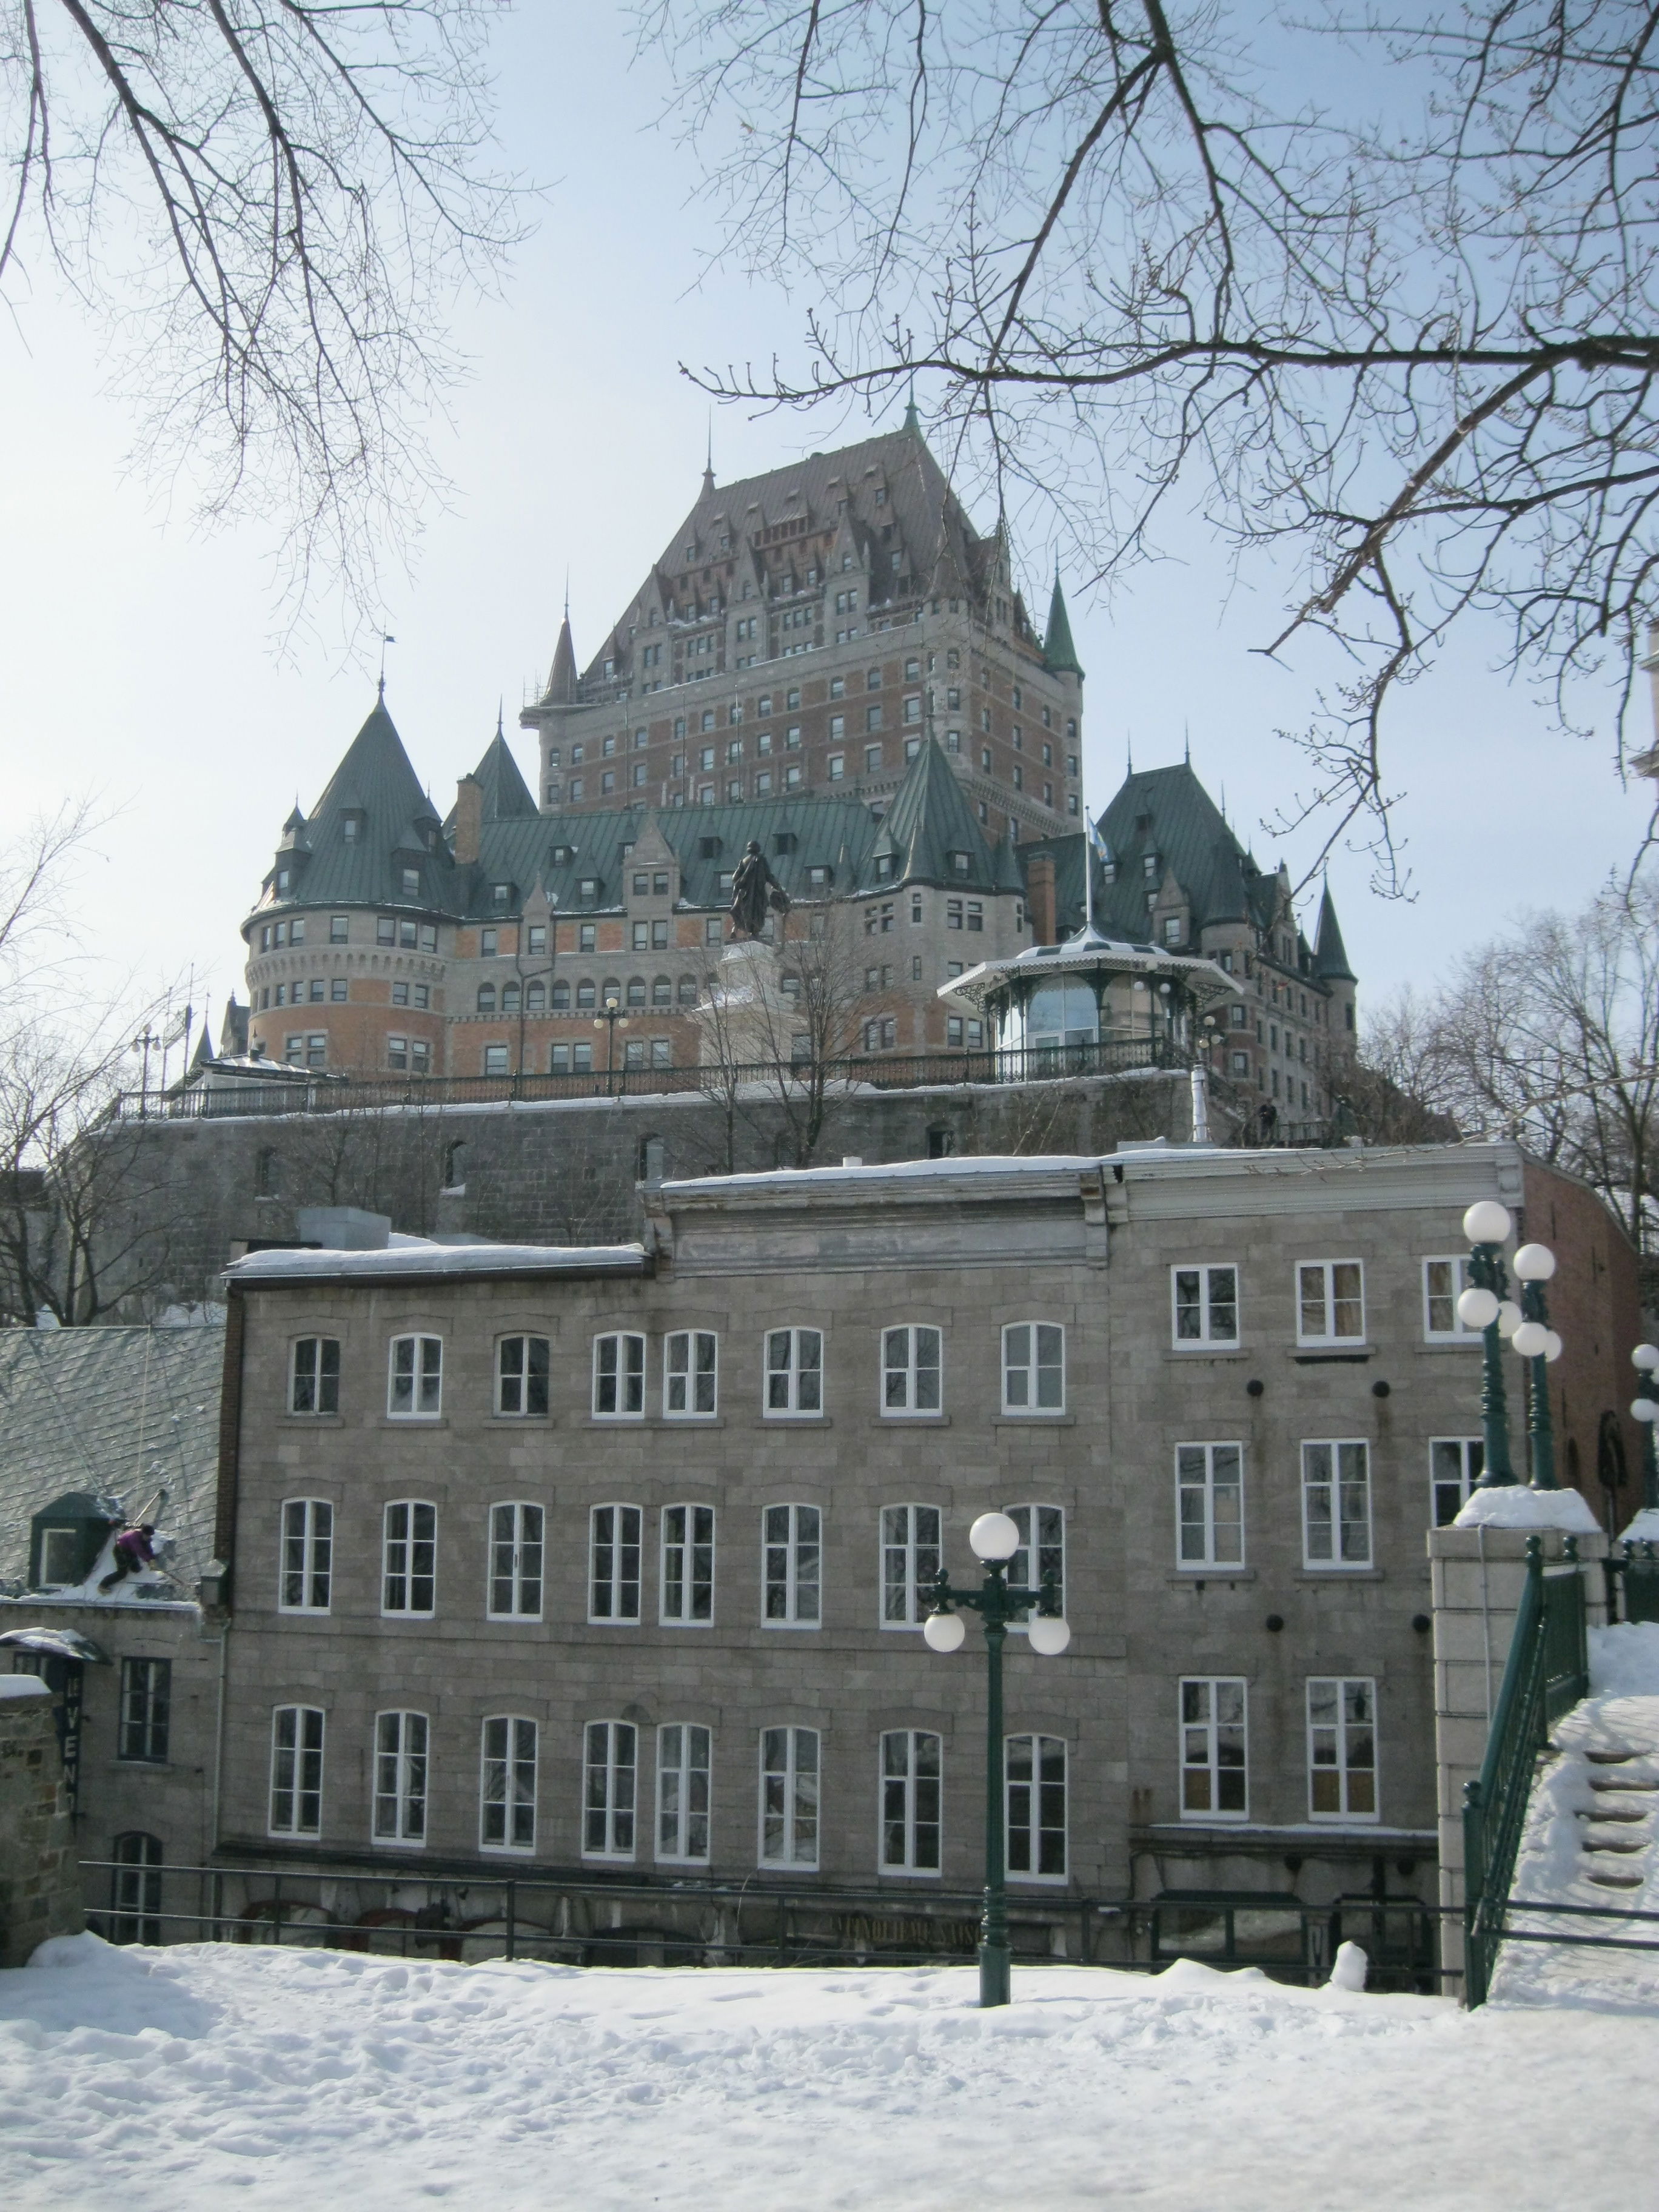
x=791, y=1566
x=146, y=1700
x=522, y=1372
x=410, y=1558
x=690, y=1374
x=414, y=1390
x=1341, y=1748
x=789, y=1797
x=1033, y=1368
x=338, y=989
x=308, y=1555
x=588, y=938
x=682, y=1764
x=515, y=1562
x=688, y=1566
x=1210, y=1505
x=1034, y=1786
x=507, y=1785
x=1214, y=1750
x=613, y=1578
x=495, y=1059
x=339, y=929
x=411, y=877
x=795, y=1372
x=400, y=1778
x=1443, y=1283
x=314, y=1376
x=910, y=1558
x=911, y=1370
x=1455, y=1467
x=1205, y=1305
x=1336, y=1504
x=1330, y=1301
x=1041, y=1549
x=619, y=1377
x=296, y=1770
x=912, y=1764
x=609, y=1789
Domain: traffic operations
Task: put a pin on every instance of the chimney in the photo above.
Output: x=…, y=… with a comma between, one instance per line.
x=1039, y=898
x=469, y=819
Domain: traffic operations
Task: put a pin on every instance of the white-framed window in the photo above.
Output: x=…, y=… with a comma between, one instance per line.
x=1214, y=1749
x=507, y=1783
x=795, y=1372
x=1341, y=1748
x=1336, y=1504
x=410, y=1578
x=308, y=1555
x=912, y=1793
x=1041, y=1549
x=909, y=1562
x=688, y=1566
x=1033, y=1367
x=400, y=1778
x=296, y=1770
x=143, y=1711
x=912, y=1370
x=792, y=1567
x=415, y=1383
x=1455, y=1465
x=1445, y=1280
x=1330, y=1301
x=610, y=1780
x=314, y=1381
x=613, y=1569
x=522, y=1372
x=1204, y=1305
x=1210, y=1505
x=690, y=1375
x=515, y=1561
x=683, y=1763
x=789, y=1780
x=619, y=1377
x=1034, y=1800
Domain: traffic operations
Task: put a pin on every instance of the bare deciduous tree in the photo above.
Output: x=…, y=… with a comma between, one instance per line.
x=272, y=203
x=1380, y=303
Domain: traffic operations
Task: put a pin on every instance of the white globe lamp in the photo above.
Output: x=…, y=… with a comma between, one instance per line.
x=1644, y=1409
x=1646, y=1357
x=944, y=1632
x=1486, y=1222
x=1510, y=1318
x=1533, y=1263
x=1477, y=1308
x=1531, y=1339
x=1048, y=1635
x=1554, y=1348
x=993, y=1536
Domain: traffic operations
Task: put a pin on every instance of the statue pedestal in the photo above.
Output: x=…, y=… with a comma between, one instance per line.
x=748, y=973
x=746, y=1018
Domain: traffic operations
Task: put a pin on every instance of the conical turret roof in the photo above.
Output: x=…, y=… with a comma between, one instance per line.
x=1059, y=653
x=1330, y=954
x=507, y=796
x=374, y=808
x=929, y=821
x=561, y=684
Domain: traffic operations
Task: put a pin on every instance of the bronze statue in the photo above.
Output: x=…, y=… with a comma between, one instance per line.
x=755, y=889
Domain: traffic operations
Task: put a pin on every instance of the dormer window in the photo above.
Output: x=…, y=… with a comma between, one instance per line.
x=959, y=862
x=500, y=897
x=784, y=842
x=563, y=854
x=884, y=867
x=351, y=826
x=588, y=890
x=1149, y=867
x=285, y=879
x=709, y=848
x=412, y=883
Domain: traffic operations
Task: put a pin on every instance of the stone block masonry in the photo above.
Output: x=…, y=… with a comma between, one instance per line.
x=39, y=1879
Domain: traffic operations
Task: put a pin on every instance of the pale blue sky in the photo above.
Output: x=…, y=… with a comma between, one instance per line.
x=138, y=659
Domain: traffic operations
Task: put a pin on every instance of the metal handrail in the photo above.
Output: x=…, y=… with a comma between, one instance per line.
x=1546, y=1672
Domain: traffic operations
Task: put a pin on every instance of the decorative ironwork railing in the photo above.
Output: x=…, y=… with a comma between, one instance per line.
x=1547, y=1671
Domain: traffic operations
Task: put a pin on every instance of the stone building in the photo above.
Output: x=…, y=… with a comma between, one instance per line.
x=799, y=630
x=610, y=1561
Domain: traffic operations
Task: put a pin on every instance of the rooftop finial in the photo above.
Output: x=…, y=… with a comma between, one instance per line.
x=386, y=639
x=1187, y=743
x=1128, y=752
x=912, y=420
x=566, y=591
x=501, y=705
x=709, y=458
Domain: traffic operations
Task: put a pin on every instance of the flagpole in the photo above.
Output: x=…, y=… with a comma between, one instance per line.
x=1088, y=849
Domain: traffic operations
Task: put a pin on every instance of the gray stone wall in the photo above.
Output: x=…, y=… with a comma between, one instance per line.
x=40, y=1880
x=560, y=1173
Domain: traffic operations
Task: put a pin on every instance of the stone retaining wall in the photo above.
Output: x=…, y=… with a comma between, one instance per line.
x=39, y=1878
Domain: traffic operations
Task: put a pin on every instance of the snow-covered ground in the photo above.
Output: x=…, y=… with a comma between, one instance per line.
x=178, y=2080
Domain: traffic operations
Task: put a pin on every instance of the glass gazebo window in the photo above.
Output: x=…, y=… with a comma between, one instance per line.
x=1062, y=1011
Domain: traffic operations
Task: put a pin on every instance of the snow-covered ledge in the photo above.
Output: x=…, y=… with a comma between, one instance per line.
x=1644, y=1529
x=1477, y=1568
x=1516, y=1505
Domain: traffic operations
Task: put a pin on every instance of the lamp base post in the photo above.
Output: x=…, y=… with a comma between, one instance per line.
x=995, y=1965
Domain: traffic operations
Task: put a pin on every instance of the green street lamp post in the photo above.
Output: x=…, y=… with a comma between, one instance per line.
x=994, y=1538
x=1645, y=1359
x=1486, y=1225
x=1538, y=1345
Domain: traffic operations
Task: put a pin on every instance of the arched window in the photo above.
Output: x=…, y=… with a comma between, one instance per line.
x=585, y=994
x=662, y=991
x=609, y=990
x=136, y=1889
x=486, y=998
x=687, y=990
x=511, y=997
x=562, y=997
x=535, y=997
x=636, y=990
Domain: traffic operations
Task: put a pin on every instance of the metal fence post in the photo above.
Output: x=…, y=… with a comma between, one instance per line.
x=512, y=1925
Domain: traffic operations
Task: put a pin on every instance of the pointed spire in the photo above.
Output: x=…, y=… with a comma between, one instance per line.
x=1330, y=955
x=708, y=461
x=912, y=420
x=561, y=684
x=501, y=705
x=1059, y=653
x=1187, y=743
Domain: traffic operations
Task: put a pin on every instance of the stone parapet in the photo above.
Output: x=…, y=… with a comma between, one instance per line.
x=39, y=1878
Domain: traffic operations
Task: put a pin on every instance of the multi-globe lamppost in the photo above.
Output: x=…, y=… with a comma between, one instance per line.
x=1645, y=1360
x=1526, y=1326
x=994, y=1538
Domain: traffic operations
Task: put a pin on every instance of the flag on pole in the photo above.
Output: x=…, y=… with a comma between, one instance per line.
x=1098, y=845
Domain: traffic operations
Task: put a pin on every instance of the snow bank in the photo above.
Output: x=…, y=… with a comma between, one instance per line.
x=22, y=1685
x=1517, y=1505
x=1624, y=1662
x=171, y=2081
x=1644, y=1529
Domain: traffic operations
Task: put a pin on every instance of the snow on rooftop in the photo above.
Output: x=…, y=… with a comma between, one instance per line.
x=416, y=1258
x=177, y=2080
x=22, y=1685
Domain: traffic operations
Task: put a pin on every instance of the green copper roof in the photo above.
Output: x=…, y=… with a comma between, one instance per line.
x=372, y=822
x=931, y=820
x=1059, y=653
x=1330, y=954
